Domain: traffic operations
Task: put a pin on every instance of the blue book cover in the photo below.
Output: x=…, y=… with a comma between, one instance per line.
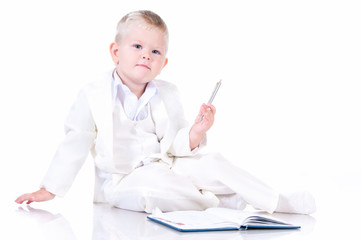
x=217, y=219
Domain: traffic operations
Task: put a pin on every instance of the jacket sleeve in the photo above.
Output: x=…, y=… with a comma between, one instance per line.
x=180, y=146
x=80, y=132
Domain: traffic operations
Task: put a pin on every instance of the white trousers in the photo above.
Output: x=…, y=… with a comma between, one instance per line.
x=191, y=184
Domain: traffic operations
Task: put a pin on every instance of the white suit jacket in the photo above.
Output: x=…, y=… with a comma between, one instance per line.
x=89, y=127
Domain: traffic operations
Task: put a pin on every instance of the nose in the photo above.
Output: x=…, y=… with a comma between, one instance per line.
x=146, y=56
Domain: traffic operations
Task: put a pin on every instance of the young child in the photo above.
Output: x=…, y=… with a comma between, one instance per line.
x=145, y=153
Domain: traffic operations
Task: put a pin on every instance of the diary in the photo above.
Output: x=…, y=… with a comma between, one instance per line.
x=217, y=219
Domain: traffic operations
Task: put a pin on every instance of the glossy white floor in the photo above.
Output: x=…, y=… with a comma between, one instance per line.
x=75, y=217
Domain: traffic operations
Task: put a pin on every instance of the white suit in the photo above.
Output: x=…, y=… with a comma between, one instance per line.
x=173, y=183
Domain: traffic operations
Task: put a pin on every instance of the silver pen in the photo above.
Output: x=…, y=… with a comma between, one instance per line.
x=218, y=85
x=215, y=91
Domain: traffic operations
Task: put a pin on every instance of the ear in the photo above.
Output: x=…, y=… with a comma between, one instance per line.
x=165, y=62
x=114, y=48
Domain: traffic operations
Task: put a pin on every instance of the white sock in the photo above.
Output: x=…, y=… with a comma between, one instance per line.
x=297, y=202
x=233, y=201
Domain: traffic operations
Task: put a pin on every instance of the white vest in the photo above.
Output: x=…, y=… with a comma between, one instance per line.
x=135, y=142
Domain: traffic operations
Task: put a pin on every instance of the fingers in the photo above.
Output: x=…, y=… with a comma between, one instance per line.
x=208, y=108
x=38, y=196
x=206, y=115
x=28, y=197
x=208, y=111
x=20, y=199
x=213, y=108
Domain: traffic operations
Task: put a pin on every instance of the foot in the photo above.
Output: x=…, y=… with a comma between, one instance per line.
x=297, y=202
x=233, y=201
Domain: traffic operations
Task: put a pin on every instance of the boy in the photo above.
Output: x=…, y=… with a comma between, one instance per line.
x=145, y=153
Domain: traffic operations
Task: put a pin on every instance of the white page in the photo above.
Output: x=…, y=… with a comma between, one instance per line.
x=239, y=216
x=194, y=219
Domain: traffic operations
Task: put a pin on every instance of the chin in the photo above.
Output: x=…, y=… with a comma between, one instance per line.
x=144, y=79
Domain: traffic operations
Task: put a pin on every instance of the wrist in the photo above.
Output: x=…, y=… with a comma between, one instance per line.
x=43, y=190
x=195, y=139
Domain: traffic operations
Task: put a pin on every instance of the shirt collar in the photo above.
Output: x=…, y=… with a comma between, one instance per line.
x=121, y=90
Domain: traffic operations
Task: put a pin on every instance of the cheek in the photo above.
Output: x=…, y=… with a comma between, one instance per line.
x=127, y=60
x=157, y=70
x=159, y=64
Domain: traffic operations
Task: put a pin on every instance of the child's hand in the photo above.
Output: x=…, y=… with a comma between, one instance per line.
x=202, y=124
x=205, y=118
x=38, y=196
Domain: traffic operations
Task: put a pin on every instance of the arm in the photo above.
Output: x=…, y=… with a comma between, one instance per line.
x=202, y=124
x=70, y=156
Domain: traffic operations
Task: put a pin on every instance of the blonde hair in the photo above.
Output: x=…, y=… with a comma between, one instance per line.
x=146, y=17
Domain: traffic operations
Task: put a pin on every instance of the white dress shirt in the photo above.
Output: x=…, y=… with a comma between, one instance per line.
x=135, y=109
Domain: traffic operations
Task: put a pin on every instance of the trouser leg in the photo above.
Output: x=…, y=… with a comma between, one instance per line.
x=156, y=186
x=214, y=173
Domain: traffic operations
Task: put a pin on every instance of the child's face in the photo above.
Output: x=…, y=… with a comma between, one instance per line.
x=141, y=54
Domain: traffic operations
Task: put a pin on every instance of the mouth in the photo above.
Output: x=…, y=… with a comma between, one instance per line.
x=143, y=65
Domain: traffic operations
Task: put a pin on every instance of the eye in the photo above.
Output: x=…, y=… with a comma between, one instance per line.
x=156, y=52
x=137, y=46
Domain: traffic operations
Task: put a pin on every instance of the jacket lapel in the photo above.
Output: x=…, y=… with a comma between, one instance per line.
x=162, y=124
x=100, y=101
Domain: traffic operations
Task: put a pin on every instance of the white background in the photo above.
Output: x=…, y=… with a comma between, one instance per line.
x=288, y=110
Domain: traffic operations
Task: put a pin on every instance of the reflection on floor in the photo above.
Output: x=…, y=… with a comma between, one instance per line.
x=113, y=223
x=73, y=218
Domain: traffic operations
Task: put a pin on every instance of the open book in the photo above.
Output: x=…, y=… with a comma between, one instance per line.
x=217, y=219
